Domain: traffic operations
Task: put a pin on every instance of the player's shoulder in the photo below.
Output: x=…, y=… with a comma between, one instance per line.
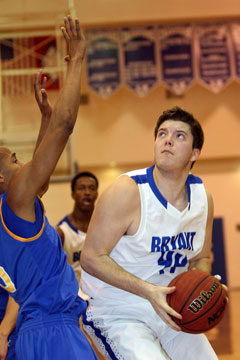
x=124, y=184
x=121, y=193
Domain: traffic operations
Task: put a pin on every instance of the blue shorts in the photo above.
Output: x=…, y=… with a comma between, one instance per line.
x=53, y=337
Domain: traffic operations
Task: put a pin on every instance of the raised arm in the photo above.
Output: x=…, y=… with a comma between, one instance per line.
x=7, y=325
x=46, y=112
x=29, y=179
x=117, y=212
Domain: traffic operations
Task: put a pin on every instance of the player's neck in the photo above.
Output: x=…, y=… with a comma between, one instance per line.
x=173, y=187
x=80, y=219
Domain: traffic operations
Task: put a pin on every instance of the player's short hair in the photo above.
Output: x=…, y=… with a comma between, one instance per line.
x=178, y=114
x=83, y=174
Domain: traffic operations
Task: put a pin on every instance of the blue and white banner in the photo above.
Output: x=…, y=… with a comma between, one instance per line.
x=139, y=59
x=103, y=61
x=176, y=57
x=213, y=55
x=235, y=32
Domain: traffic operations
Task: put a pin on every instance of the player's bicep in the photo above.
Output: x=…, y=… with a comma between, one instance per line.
x=112, y=216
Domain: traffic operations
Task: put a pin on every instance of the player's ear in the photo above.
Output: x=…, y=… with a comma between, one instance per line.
x=195, y=154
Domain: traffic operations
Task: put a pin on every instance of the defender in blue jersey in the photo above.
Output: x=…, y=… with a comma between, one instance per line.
x=33, y=267
x=147, y=227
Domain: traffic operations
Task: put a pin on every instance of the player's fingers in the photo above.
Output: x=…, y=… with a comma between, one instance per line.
x=167, y=319
x=44, y=96
x=44, y=82
x=37, y=80
x=65, y=34
x=70, y=29
x=172, y=312
x=77, y=26
x=169, y=290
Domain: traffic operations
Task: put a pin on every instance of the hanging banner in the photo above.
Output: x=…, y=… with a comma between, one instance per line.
x=235, y=32
x=103, y=65
x=213, y=56
x=176, y=57
x=139, y=59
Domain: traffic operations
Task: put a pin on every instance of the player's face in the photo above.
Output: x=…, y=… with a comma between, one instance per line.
x=85, y=193
x=9, y=164
x=173, y=146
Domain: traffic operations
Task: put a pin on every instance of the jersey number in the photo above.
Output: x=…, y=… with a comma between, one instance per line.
x=172, y=260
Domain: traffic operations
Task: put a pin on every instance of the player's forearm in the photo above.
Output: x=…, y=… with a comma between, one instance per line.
x=107, y=270
x=66, y=108
x=9, y=321
x=43, y=128
x=203, y=264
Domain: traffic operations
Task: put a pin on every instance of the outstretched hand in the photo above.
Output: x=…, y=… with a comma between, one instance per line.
x=74, y=38
x=41, y=95
x=160, y=305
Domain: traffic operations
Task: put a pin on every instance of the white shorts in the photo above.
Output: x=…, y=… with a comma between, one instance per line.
x=136, y=332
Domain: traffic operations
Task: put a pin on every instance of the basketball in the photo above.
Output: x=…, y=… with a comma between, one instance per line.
x=201, y=300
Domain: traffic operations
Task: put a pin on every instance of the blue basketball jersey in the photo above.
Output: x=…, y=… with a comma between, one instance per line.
x=33, y=267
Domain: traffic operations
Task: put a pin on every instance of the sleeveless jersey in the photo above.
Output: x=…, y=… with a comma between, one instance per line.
x=164, y=243
x=34, y=270
x=73, y=244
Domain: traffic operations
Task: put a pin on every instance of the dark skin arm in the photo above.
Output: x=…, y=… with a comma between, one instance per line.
x=28, y=180
x=46, y=112
x=7, y=325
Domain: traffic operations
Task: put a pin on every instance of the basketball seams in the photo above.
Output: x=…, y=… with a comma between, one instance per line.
x=189, y=322
x=206, y=316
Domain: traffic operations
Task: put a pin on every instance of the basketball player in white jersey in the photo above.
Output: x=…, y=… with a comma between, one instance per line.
x=73, y=227
x=147, y=227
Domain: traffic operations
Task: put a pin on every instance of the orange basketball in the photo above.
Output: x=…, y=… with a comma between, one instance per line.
x=201, y=300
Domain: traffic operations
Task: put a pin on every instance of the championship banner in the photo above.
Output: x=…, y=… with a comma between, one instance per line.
x=213, y=55
x=103, y=61
x=139, y=59
x=176, y=57
x=235, y=33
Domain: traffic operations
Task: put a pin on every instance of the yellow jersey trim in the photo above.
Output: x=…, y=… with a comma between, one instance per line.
x=19, y=237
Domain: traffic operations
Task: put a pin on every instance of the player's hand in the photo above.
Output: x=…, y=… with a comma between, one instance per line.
x=3, y=346
x=41, y=95
x=158, y=300
x=74, y=38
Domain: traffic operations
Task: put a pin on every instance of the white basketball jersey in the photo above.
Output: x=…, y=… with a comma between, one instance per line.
x=164, y=243
x=73, y=244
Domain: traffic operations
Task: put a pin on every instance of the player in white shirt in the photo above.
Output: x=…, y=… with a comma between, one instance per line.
x=149, y=226
x=73, y=227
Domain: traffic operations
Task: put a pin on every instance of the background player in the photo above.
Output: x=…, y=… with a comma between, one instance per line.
x=73, y=227
x=147, y=227
x=33, y=266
